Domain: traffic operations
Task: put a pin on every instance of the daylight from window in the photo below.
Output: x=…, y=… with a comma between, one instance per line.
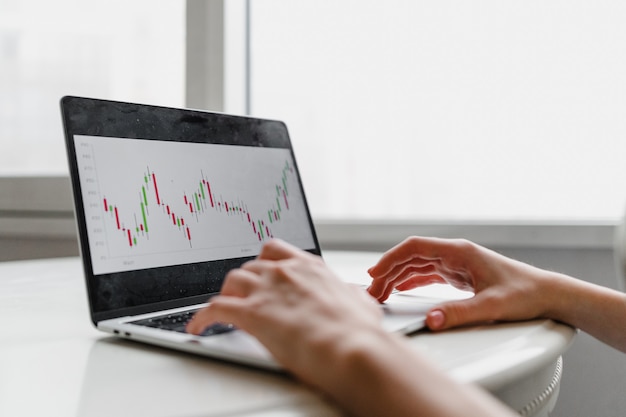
x=449, y=110
x=490, y=110
x=107, y=49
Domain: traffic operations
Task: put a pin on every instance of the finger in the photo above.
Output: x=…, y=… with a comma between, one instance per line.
x=277, y=249
x=390, y=286
x=478, y=309
x=369, y=302
x=452, y=253
x=262, y=268
x=239, y=282
x=222, y=309
x=408, y=250
x=420, y=282
x=364, y=295
x=382, y=287
x=414, y=264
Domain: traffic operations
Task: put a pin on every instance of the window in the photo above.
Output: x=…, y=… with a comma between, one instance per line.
x=490, y=110
x=111, y=49
x=404, y=109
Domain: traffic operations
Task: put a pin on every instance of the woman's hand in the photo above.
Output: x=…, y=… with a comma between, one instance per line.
x=294, y=305
x=504, y=289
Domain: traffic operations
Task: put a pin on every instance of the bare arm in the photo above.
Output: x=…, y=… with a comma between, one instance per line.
x=597, y=310
x=384, y=376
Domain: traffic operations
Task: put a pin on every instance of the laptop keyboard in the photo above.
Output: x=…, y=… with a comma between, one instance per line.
x=177, y=321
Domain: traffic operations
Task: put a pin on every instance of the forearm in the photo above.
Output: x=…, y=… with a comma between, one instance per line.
x=598, y=311
x=382, y=375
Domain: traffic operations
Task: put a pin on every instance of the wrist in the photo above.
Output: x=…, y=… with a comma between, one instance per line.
x=339, y=348
x=554, y=292
x=344, y=363
x=366, y=362
x=569, y=297
x=376, y=373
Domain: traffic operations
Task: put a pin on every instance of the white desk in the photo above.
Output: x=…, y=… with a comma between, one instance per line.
x=70, y=369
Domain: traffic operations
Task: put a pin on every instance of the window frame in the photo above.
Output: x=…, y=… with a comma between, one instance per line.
x=42, y=206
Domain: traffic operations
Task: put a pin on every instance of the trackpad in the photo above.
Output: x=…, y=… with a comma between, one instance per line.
x=404, y=315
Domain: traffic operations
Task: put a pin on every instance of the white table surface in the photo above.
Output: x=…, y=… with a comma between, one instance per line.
x=53, y=362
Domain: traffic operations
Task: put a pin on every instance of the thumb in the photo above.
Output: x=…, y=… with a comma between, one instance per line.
x=458, y=313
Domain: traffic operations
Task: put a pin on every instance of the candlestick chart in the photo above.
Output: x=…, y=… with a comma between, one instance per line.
x=158, y=203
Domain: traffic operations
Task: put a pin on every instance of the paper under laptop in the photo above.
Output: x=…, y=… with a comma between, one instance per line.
x=167, y=201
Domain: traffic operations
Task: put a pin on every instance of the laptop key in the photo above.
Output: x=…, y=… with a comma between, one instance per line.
x=177, y=322
x=217, y=328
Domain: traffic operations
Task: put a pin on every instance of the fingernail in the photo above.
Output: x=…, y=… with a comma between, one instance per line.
x=436, y=319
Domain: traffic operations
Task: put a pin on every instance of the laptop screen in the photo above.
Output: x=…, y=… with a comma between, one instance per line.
x=168, y=200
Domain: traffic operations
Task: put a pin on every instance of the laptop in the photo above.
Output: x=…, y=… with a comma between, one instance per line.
x=167, y=201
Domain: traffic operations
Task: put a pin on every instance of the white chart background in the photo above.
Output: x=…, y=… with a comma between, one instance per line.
x=246, y=177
